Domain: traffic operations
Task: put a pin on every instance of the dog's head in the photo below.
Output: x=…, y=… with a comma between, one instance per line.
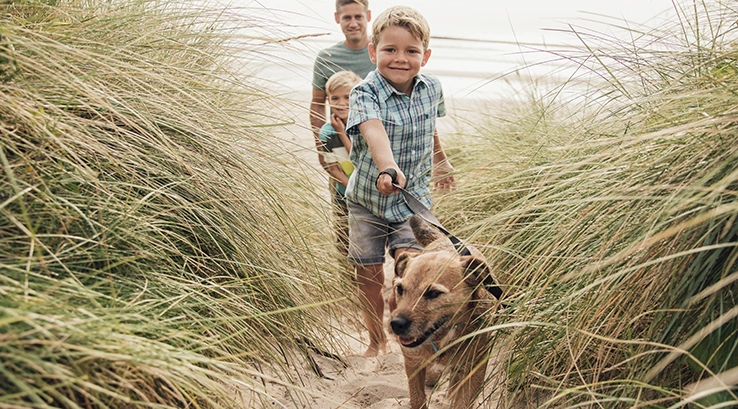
x=437, y=288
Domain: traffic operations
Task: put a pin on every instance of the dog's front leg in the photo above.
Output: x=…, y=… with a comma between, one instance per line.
x=463, y=390
x=466, y=382
x=415, y=371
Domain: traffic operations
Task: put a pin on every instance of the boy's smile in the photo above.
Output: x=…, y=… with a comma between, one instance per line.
x=399, y=57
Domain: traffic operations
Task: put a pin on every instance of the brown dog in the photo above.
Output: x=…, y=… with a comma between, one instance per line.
x=438, y=299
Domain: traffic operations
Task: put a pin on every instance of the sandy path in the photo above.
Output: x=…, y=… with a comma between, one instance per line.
x=375, y=383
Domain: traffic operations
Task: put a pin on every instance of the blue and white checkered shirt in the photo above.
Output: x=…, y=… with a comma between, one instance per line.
x=410, y=123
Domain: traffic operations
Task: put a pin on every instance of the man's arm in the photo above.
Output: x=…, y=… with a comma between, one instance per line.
x=317, y=119
x=379, y=146
x=337, y=173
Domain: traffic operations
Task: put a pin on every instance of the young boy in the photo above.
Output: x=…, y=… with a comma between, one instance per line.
x=336, y=148
x=392, y=123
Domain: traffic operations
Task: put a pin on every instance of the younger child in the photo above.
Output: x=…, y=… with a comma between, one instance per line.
x=392, y=124
x=336, y=148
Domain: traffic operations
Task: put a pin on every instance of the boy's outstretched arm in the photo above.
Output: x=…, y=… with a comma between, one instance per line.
x=443, y=177
x=379, y=146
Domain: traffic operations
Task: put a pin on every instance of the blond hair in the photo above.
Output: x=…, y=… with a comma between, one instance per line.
x=405, y=17
x=341, y=79
x=341, y=3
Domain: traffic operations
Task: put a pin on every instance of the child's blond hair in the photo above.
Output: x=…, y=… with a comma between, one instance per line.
x=405, y=17
x=341, y=3
x=341, y=79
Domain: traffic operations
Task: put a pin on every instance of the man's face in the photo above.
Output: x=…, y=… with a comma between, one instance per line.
x=353, y=19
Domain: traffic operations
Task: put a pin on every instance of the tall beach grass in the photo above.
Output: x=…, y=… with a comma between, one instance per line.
x=154, y=253
x=610, y=216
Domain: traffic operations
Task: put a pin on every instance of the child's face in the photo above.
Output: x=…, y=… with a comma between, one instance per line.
x=339, y=102
x=399, y=57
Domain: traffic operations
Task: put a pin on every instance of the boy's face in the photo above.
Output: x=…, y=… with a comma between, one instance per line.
x=339, y=102
x=353, y=19
x=399, y=57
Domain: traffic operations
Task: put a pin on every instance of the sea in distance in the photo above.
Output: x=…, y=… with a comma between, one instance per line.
x=481, y=49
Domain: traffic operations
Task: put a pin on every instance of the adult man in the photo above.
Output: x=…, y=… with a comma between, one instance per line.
x=351, y=54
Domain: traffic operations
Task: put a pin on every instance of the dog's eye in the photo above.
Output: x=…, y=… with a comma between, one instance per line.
x=399, y=290
x=431, y=294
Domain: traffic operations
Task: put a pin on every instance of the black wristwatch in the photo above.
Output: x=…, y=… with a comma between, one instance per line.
x=389, y=171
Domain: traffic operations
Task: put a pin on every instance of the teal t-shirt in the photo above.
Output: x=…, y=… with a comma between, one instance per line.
x=338, y=58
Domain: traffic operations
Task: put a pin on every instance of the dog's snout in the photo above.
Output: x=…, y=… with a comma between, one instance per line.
x=400, y=325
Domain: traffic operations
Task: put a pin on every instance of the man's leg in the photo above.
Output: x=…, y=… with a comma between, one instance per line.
x=340, y=215
x=371, y=281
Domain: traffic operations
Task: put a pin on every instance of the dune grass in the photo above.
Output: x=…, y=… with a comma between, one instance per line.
x=154, y=253
x=610, y=217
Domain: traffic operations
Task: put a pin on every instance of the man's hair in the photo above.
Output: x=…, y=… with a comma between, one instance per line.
x=340, y=3
x=405, y=17
x=341, y=79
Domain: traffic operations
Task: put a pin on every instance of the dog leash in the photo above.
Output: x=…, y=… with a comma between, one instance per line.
x=417, y=207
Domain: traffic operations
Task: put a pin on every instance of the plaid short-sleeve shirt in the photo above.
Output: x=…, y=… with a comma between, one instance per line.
x=410, y=122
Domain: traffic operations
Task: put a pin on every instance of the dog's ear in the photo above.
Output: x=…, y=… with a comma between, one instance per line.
x=401, y=264
x=424, y=233
x=476, y=271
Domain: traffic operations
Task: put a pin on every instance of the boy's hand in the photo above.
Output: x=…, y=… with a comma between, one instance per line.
x=443, y=177
x=387, y=178
x=337, y=124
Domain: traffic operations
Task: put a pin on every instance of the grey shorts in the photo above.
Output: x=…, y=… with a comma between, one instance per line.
x=370, y=236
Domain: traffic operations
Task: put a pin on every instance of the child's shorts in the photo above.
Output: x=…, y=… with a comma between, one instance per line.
x=370, y=236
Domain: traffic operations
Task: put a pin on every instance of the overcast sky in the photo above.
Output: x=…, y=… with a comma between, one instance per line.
x=524, y=20
x=464, y=66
